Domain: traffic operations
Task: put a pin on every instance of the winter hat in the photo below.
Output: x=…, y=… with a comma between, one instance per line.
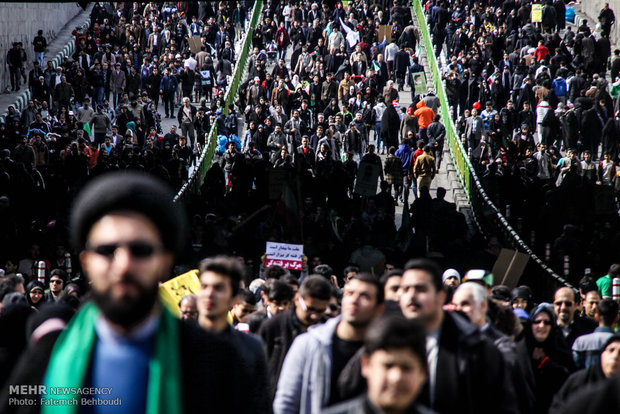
x=450, y=273
x=130, y=191
x=614, y=338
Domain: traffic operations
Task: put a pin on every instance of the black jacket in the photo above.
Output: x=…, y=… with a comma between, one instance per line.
x=471, y=375
x=580, y=326
x=602, y=397
x=193, y=111
x=278, y=334
x=577, y=381
x=250, y=348
x=211, y=373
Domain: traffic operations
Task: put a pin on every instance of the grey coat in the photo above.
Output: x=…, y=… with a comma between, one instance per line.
x=118, y=81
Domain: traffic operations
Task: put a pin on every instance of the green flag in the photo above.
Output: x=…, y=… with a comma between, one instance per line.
x=86, y=128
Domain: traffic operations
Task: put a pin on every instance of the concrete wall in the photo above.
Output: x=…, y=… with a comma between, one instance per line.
x=21, y=21
x=592, y=8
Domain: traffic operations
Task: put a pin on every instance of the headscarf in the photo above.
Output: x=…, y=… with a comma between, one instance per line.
x=35, y=284
x=555, y=345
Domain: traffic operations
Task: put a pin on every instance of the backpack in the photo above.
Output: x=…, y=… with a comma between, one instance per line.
x=231, y=122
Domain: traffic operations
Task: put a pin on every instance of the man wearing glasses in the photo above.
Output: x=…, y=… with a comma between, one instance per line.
x=57, y=284
x=124, y=343
x=565, y=305
x=279, y=332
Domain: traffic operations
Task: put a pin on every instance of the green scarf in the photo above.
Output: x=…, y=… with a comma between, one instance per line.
x=72, y=354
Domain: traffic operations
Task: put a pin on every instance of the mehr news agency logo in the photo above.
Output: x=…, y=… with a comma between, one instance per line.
x=20, y=395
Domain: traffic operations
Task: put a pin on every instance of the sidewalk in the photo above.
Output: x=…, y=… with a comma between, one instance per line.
x=63, y=45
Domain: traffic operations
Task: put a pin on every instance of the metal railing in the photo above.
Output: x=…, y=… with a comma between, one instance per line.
x=193, y=184
x=488, y=217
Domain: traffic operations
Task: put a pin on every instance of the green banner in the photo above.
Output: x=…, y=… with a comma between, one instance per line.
x=459, y=155
x=208, y=152
x=487, y=216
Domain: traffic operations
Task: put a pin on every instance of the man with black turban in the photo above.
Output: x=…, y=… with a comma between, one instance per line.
x=124, y=344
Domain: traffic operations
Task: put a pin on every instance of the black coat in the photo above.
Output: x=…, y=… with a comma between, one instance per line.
x=611, y=137
x=570, y=128
x=278, y=334
x=250, y=348
x=133, y=83
x=602, y=397
x=577, y=381
x=193, y=111
x=471, y=375
x=401, y=62
x=580, y=326
x=592, y=125
x=211, y=373
x=390, y=124
x=550, y=373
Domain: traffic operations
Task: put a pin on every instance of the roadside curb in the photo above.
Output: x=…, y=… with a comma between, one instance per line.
x=23, y=97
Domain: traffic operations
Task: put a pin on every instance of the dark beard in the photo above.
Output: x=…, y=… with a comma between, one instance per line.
x=128, y=311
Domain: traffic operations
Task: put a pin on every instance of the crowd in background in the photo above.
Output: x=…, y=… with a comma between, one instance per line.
x=321, y=99
x=103, y=108
x=535, y=105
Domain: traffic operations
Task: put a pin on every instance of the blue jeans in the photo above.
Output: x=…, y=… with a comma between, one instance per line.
x=40, y=57
x=423, y=136
x=98, y=95
x=409, y=183
x=169, y=103
x=378, y=141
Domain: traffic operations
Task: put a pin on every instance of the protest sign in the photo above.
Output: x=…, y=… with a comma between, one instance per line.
x=289, y=256
x=385, y=32
x=419, y=82
x=366, y=181
x=536, y=13
x=172, y=291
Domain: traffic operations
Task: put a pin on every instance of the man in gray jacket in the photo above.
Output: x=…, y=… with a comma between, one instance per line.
x=100, y=125
x=474, y=129
x=310, y=375
x=118, y=82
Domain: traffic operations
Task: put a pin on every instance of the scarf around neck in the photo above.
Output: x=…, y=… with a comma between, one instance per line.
x=72, y=354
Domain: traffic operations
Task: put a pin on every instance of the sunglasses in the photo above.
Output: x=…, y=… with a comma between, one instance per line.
x=138, y=249
x=543, y=321
x=566, y=303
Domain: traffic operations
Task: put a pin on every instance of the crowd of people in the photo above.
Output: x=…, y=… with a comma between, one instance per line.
x=535, y=104
x=419, y=339
x=102, y=109
x=361, y=328
x=310, y=122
